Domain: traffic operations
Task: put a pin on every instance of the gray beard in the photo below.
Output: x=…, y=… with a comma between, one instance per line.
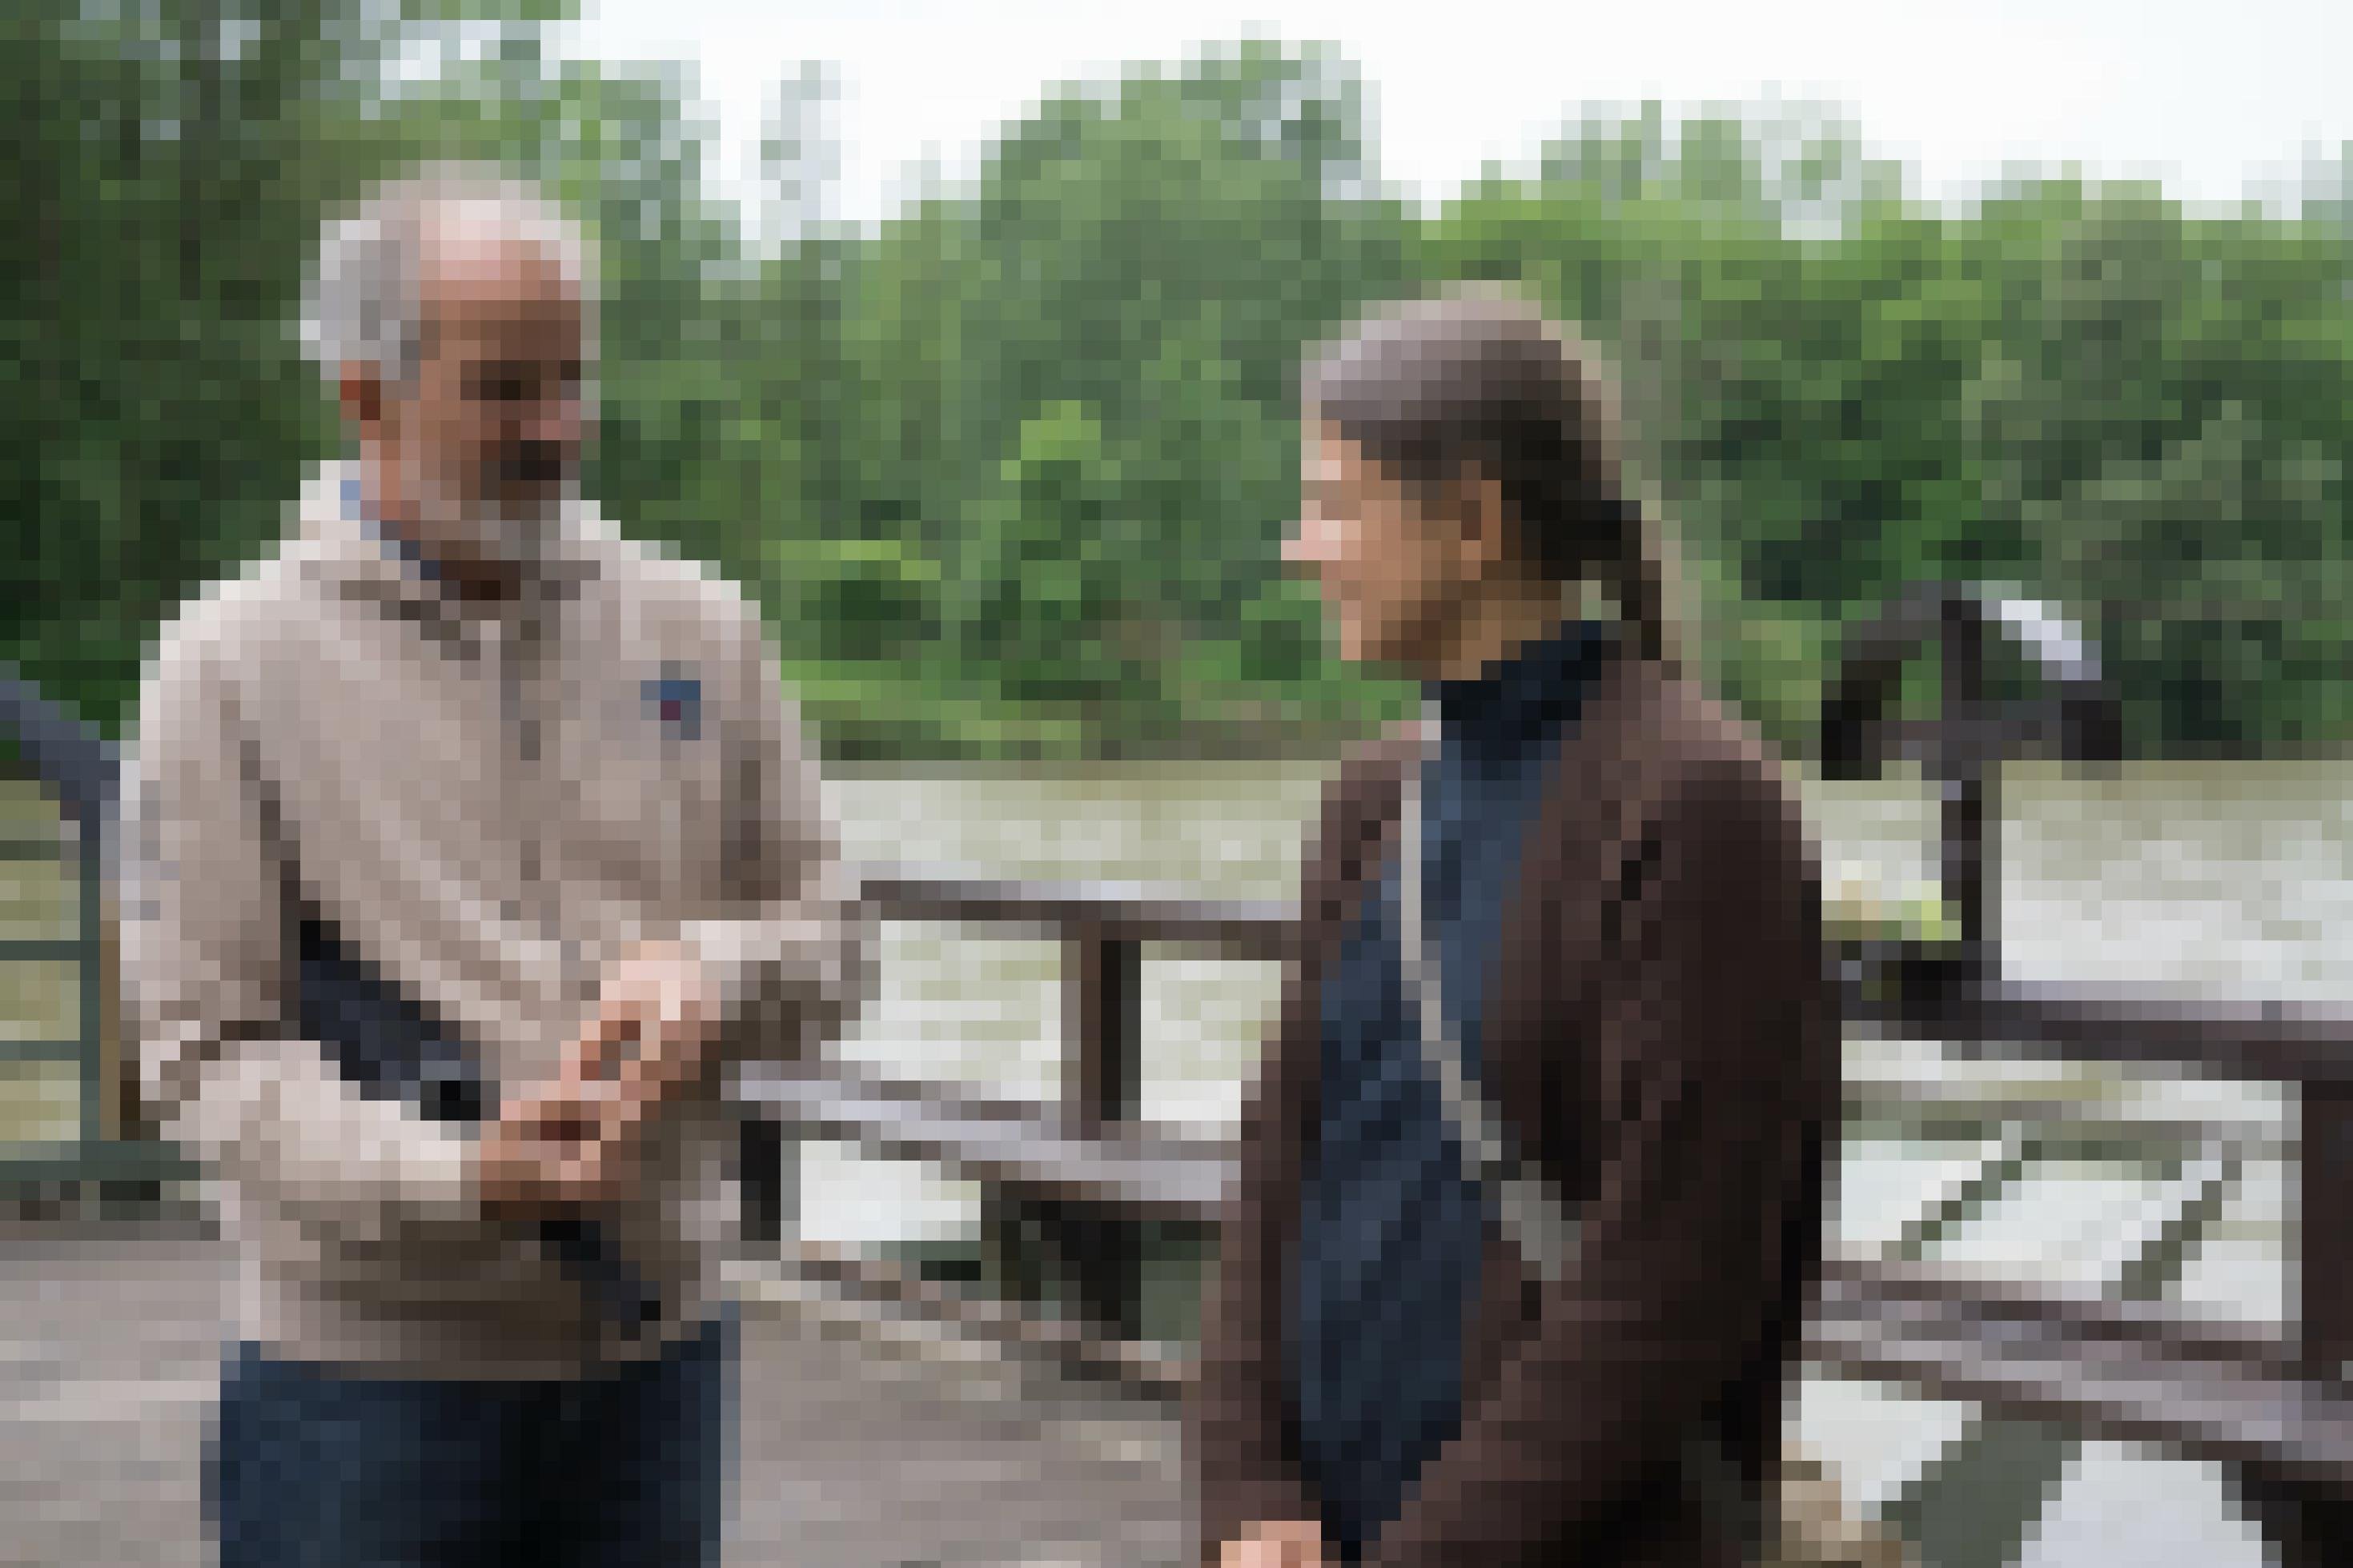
x=517, y=538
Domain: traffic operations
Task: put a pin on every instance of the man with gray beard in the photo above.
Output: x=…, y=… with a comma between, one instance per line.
x=467, y=846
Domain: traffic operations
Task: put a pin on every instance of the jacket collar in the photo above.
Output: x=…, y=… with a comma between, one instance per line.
x=344, y=548
x=1600, y=792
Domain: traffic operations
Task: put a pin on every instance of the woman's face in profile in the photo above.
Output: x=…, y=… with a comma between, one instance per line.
x=1389, y=570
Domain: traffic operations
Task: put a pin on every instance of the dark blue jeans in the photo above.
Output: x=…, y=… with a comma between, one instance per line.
x=626, y=1469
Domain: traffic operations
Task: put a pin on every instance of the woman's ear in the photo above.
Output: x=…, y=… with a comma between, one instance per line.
x=1486, y=519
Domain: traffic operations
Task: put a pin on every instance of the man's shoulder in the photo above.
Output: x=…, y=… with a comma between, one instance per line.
x=231, y=652
x=653, y=583
x=681, y=623
x=236, y=617
x=266, y=595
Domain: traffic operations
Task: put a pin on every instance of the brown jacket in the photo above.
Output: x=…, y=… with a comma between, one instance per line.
x=1661, y=1038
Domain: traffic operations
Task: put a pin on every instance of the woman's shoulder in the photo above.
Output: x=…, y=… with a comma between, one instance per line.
x=1721, y=789
x=1660, y=759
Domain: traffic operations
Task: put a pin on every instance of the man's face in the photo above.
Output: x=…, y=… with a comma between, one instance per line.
x=1391, y=571
x=487, y=433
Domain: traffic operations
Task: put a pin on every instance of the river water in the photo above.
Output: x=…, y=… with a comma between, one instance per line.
x=2214, y=879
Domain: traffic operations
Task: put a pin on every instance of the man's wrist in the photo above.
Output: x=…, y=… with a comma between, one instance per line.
x=490, y=1177
x=728, y=954
x=512, y=1174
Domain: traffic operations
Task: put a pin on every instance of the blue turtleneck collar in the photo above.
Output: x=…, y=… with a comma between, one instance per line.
x=1507, y=713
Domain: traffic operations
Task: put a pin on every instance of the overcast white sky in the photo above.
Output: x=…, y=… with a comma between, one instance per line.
x=2216, y=99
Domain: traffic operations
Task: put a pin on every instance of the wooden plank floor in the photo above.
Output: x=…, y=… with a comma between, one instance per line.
x=852, y=1451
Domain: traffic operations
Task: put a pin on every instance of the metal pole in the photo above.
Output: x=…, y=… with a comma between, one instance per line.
x=92, y=966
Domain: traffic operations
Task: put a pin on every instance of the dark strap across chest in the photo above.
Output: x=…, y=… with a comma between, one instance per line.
x=387, y=1046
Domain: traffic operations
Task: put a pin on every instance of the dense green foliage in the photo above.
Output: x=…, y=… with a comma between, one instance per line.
x=1010, y=469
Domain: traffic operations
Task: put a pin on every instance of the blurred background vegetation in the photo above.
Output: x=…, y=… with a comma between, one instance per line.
x=1009, y=470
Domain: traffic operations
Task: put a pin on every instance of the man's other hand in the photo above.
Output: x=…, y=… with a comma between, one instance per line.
x=656, y=1013
x=1275, y=1543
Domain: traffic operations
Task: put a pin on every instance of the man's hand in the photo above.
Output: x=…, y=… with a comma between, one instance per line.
x=572, y=1142
x=1275, y=1543
x=656, y=1013
x=546, y=1155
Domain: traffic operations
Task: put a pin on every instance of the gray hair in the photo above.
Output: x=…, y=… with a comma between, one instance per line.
x=365, y=300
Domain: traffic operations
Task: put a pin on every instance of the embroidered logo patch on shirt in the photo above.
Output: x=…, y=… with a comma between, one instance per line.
x=675, y=699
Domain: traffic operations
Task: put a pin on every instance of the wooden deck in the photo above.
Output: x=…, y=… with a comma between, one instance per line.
x=858, y=1443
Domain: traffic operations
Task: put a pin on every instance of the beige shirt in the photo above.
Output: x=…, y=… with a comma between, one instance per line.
x=487, y=803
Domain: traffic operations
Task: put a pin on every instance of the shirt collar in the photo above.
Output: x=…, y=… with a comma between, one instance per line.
x=352, y=550
x=1509, y=711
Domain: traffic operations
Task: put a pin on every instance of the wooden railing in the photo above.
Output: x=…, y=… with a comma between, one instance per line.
x=1070, y=1183
x=78, y=769
x=1958, y=1337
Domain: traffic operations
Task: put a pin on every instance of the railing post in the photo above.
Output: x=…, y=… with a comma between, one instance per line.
x=1101, y=1022
x=1969, y=812
x=2325, y=1283
x=1102, y=1062
x=768, y=1175
x=2308, y=1528
x=2325, y=1288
